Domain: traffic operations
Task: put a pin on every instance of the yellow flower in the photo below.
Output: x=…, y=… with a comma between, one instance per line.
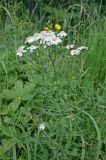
x=46, y=28
x=57, y=26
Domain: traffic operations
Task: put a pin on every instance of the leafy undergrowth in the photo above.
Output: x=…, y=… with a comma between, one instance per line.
x=65, y=93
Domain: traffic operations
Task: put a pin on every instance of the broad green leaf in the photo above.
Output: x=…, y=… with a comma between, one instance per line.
x=27, y=114
x=27, y=97
x=8, y=94
x=4, y=110
x=8, y=120
x=28, y=88
x=18, y=88
x=7, y=131
x=13, y=106
x=12, y=78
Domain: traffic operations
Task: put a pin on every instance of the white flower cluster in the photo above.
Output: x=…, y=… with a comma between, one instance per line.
x=76, y=51
x=47, y=38
x=21, y=50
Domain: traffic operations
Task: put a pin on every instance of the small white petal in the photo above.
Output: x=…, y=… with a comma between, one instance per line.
x=41, y=126
x=62, y=34
x=32, y=47
x=75, y=52
x=82, y=48
x=70, y=46
x=30, y=39
x=20, y=54
x=20, y=51
x=78, y=50
x=37, y=36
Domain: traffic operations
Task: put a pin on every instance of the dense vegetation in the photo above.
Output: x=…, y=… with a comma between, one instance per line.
x=66, y=93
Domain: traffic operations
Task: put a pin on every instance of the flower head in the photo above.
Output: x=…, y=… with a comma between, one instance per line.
x=70, y=46
x=62, y=34
x=20, y=51
x=57, y=26
x=32, y=47
x=78, y=50
x=75, y=52
x=41, y=126
x=30, y=39
x=82, y=48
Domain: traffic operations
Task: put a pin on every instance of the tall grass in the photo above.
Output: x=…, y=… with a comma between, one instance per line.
x=52, y=87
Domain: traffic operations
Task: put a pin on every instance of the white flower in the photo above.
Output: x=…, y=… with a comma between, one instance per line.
x=55, y=41
x=20, y=54
x=82, y=48
x=45, y=34
x=50, y=34
x=30, y=39
x=46, y=40
x=41, y=126
x=75, y=52
x=45, y=37
x=62, y=34
x=51, y=40
x=37, y=36
x=78, y=50
x=21, y=51
x=32, y=47
x=70, y=46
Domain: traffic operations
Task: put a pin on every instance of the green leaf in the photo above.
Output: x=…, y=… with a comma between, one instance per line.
x=12, y=77
x=13, y=106
x=8, y=94
x=26, y=95
x=18, y=88
x=8, y=119
x=4, y=110
x=7, y=131
x=8, y=145
x=28, y=88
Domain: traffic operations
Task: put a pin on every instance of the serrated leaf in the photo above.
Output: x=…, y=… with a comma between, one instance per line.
x=8, y=145
x=13, y=106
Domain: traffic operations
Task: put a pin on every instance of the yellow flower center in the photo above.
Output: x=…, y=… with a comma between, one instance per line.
x=57, y=26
